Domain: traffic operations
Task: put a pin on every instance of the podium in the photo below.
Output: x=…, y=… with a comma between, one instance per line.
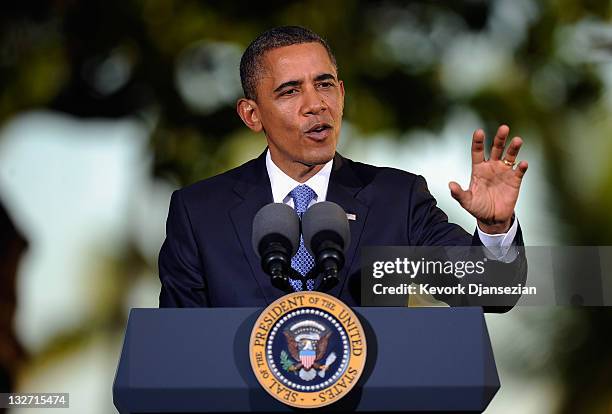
x=197, y=361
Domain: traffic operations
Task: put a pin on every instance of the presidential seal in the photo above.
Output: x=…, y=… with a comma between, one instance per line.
x=308, y=349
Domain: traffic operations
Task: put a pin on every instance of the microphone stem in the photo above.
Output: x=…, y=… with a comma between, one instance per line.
x=330, y=274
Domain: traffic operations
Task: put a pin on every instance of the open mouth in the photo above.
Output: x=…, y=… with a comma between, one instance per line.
x=319, y=131
x=319, y=128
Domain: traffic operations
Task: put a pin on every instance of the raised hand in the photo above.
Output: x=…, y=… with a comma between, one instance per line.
x=494, y=183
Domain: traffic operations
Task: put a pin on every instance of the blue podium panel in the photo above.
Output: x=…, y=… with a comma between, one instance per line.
x=197, y=360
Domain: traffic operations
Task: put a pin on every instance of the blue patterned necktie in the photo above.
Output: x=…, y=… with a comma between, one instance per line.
x=302, y=261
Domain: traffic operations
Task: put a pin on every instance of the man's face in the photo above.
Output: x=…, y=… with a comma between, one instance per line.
x=300, y=102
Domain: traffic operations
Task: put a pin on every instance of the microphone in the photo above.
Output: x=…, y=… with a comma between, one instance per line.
x=326, y=237
x=276, y=238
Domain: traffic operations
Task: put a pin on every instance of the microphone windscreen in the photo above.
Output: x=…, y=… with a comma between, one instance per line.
x=329, y=218
x=276, y=219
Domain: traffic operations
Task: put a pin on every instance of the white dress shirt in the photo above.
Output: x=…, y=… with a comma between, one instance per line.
x=499, y=246
x=282, y=184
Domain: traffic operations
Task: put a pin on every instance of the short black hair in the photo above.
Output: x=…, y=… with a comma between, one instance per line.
x=251, y=61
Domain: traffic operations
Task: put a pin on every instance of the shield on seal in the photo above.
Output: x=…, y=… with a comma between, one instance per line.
x=307, y=357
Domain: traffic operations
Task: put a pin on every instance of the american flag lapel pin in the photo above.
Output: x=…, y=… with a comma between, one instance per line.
x=351, y=216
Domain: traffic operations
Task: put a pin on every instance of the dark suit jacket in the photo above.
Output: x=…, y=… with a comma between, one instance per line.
x=207, y=258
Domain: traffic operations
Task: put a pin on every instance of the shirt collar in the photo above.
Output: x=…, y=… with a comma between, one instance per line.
x=282, y=184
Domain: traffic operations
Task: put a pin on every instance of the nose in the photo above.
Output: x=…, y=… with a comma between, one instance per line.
x=313, y=102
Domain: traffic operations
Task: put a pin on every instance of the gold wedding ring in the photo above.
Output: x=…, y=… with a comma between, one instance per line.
x=508, y=163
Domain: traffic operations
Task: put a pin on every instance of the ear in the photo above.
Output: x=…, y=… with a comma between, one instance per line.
x=249, y=113
x=342, y=93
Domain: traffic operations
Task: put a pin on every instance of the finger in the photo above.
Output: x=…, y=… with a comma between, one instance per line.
x=521, y=169
x=499, y=142
x=463, y=197
x=513, y=149
x=478, y=139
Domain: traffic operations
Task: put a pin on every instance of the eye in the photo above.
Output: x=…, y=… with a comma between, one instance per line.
x=292, y=91
x=326, y=84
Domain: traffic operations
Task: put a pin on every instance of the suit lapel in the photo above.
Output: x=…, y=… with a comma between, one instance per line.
x=254, y=190
x=344, y=187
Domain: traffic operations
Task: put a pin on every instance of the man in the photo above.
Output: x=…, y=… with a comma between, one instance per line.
x=13, y=245
x=293, y=94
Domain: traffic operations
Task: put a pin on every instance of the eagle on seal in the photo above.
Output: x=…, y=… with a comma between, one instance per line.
x=310, y=352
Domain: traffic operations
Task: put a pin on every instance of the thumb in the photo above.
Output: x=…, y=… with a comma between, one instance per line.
x=458, y=194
